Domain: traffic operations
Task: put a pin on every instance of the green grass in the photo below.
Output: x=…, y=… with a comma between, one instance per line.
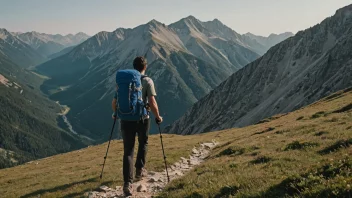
x=317, y=163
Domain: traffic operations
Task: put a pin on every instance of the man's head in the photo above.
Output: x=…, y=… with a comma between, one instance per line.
x=140, y=64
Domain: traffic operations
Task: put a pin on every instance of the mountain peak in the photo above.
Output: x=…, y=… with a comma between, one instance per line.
x=81, y=34
x=344, y=13
x=186, y=22
x=34, y=32
x=3, y=30
x=346, y=9
x=154, y=22
x=190, y=18
x=217, y=21
x=4, y=33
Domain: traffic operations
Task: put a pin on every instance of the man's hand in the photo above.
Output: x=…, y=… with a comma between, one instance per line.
x=159, y=119
x=114, y=116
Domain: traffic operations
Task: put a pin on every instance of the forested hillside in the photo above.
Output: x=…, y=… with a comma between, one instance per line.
x=28, y=120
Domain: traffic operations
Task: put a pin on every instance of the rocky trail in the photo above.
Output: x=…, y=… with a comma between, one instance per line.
x=155, y=182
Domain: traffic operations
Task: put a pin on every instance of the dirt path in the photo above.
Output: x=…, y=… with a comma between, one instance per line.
x=156, y=181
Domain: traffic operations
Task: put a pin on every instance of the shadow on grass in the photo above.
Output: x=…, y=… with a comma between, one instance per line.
x=341, y=144
x=232, y=150
x=265, y=131
x=261, y=160
x=344, y=109
x=58, y=188
x=195, y=195
x=227, y=191
x=296, y=145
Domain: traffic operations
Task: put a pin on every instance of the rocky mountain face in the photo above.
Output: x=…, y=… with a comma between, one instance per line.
x=187, y=59
x=47, y=44
x=28, y=120
x=299, y=71
x=18, y=51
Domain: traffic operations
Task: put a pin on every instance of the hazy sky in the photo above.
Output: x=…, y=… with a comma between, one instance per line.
x=260, y=17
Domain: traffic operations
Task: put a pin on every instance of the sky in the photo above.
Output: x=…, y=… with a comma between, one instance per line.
x=260, y=17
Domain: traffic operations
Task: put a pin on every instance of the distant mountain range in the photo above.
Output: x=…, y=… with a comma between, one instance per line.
x=187, y=59
x=47, y=44
x=299, y=71
x=31, y=49
x=18, y=51
x=263, y=44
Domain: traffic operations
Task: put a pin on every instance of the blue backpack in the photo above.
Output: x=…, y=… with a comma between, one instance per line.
x=130, y=105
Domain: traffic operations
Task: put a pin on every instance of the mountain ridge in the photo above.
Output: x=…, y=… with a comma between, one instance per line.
x=48, y=44
x=18, y=51
x=293, y=73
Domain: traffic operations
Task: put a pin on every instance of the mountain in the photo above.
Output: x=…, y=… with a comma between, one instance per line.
x=187, y=59
x=29, y=121
x=297, y=72
x=267, y=42
x=47, y=44
x=18, y=51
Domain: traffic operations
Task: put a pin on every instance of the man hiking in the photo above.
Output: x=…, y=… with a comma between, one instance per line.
x=130, y=127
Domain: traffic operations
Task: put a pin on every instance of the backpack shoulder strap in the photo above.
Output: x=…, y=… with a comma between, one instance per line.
x=143, y=76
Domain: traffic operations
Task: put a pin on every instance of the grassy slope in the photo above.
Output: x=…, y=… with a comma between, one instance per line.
x=254, y=161
x=285, y=156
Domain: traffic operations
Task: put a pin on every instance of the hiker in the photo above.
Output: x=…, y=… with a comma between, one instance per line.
x=141, y=127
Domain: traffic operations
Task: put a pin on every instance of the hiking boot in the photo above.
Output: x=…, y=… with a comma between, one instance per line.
x=140, y=173
x=127, y=189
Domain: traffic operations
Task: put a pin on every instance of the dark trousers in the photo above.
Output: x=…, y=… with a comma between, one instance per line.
x=129, y=130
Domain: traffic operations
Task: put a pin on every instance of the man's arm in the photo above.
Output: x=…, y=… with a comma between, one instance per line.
x=154, y=107
x=113, y=104
x=151, y=93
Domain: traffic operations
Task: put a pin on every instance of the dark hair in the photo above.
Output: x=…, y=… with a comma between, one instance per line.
x=139, y=63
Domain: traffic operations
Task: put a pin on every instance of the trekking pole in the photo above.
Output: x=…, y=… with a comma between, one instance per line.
x=162, y=146
x=107, y=150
